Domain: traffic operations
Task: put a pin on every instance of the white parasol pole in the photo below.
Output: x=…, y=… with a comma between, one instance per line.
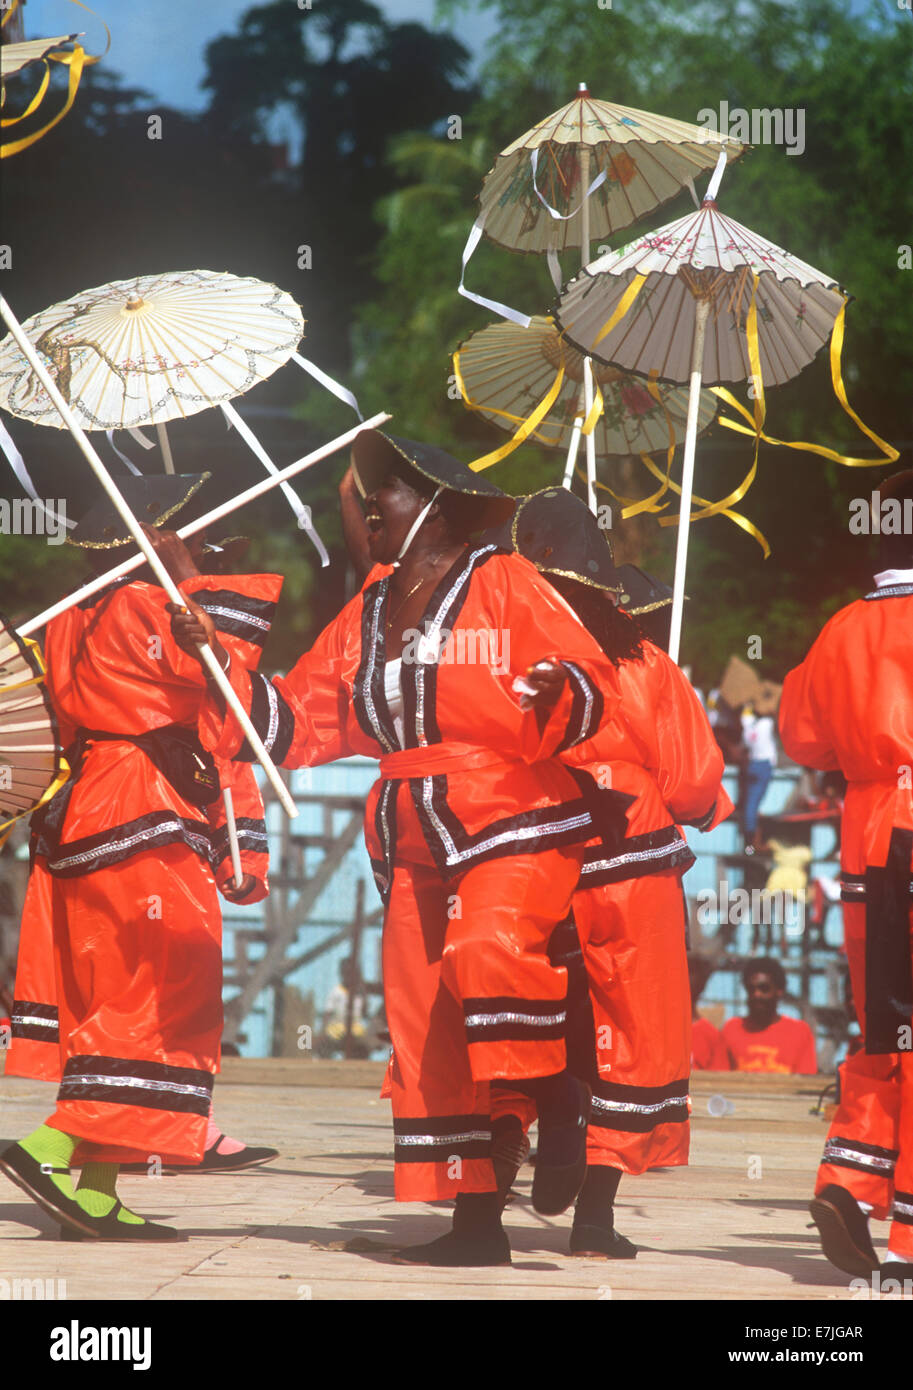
x=232, y=829
x=587, y=366
x=165, y=447
x=702, y=311
x=209, y=519
x=681, y=550
x=207, y=655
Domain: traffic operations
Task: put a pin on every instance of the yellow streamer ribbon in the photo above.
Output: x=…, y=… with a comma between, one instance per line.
x=36, y=100
x=621, y=309
x=526, y=427
x=60, y=780
x=596, y=410
x=75, y=62
x=710, y=508
x=889, y=453
x=14, y=5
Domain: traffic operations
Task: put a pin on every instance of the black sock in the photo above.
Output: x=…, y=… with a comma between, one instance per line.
x=477, y=1213
x=557, y=1098
x=597, y=1197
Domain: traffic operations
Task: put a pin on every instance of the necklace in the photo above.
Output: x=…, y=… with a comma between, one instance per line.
x=401, y=606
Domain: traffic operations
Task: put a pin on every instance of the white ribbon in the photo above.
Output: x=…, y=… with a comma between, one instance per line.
x=496, y=307
x=552, y=212
x=413, y=529
x=301, y=510
x=17, y=463
x=554, y=268
x=342, y=392
x=137, y=472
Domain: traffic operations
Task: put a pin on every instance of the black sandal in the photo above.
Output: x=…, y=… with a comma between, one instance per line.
x=35, y=1179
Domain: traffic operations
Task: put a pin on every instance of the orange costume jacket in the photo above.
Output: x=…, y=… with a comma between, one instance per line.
x=849, y=706
x=122, y=678
x=474, y=772
x=673, y=774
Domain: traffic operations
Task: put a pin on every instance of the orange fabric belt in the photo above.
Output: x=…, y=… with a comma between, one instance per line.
x=438, y=757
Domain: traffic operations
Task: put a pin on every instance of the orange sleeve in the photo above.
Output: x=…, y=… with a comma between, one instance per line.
x=804, y=726
x=247, y=804
x=678, y=745
x=542, y=627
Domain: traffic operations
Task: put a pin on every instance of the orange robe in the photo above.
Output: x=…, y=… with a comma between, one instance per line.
x=125, y=878
x=631, y=1037
x=849, y=706
x=474, y=830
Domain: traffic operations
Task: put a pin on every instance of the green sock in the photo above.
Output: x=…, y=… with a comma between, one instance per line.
x=53, y=1147
x=96, y=1192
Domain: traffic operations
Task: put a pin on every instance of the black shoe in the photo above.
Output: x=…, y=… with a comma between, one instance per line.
x=509, y=1152
x=844, y=1230
x=459, y=1250
x=35, y=1179
x=212, y=1161
x=561, y=1159
x=895, y=1269
x=600, y=1242
x=109, y=1228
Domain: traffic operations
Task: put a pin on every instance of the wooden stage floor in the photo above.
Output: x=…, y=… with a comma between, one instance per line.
x=318, y=1222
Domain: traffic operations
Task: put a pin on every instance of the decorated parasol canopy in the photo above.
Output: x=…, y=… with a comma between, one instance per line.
x=31, y=765
x=706, y=299
x=641, y=160
x=531, y=199
x=156, y=348
x=507, y=374
x=152, y=349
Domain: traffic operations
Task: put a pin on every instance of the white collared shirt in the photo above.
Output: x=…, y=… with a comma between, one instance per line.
x=889, y=577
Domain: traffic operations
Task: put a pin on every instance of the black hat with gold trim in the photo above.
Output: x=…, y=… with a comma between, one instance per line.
x=153, y=499
x=560, y=535
x=642, y=593
x=376, y=455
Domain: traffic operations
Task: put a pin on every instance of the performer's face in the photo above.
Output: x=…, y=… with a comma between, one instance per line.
x=390, y=510
x=763, y=997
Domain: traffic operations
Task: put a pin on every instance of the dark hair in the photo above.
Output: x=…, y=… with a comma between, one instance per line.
x=895, y=552
x=765, y=965
x=618, y=635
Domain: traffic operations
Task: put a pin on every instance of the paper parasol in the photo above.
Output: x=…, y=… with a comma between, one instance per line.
x=31, y=767
x=640, y=160
x=506, y=371
x=706, y=299
x=152, y=349
x=646, y=159
x=16, y=56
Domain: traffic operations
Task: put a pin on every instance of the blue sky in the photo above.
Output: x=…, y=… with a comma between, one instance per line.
x=158, y=44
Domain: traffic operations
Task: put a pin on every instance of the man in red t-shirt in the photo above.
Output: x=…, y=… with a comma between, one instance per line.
x=708, y=1051
x=765, y=1040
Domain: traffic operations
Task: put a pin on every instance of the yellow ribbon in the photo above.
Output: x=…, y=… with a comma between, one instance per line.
x=890, y=454
x=526, y=427
x=596, y=410
x=75, y=62
x=14, y=5
x=622, y=308
x=36, y=100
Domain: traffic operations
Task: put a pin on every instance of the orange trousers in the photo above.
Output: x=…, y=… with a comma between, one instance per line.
x=869, y=1148
x=471, y=996
x=629, y=1022
x=138, y=978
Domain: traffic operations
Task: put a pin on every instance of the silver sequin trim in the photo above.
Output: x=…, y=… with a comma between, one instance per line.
x=629, y=1107
x=882, y=1165
x=634, y=857
x=237, y=615
x=174, y=1087
x=438, y=1140
x=35, y=1022
x=531, y=1020
x=587, y=689
x=103, y=852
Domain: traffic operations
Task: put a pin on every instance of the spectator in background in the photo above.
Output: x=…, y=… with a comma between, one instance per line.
x=708, y=1051
x=765, y=1040
x=759, y=739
